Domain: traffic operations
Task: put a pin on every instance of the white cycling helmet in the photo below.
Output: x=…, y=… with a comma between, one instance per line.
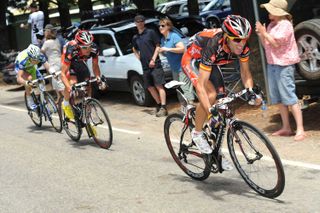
x=33, y=51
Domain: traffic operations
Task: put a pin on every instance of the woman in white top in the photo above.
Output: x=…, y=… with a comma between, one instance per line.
x=52, y=49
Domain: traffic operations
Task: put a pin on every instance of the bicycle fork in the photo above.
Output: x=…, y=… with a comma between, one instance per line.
x=258, y=155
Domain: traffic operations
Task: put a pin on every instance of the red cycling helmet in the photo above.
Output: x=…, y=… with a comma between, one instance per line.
x=236, y=26
x=84, y=37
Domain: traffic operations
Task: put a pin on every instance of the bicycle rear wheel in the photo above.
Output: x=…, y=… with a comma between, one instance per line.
x=98, y=123
x=35, y=115
x=182, y=149
x=72, y=127
x=256, y=159
x=53, y=113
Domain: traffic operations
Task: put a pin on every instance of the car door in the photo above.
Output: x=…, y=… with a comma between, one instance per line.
x=108, y=64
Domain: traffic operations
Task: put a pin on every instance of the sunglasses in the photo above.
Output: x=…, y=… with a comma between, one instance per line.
x=236, y=40
x=139, y=21
x=84, y=47
x=162, y=25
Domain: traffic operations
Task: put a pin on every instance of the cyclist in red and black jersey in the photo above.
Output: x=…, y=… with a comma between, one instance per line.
x=213, y=48
x=74, y=64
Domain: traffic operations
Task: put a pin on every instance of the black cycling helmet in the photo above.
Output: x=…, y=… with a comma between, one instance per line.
x=84, y=37
x=236, y=26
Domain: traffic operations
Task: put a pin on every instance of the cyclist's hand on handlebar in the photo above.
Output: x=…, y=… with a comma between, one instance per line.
x=28, y=83
x=253, y=97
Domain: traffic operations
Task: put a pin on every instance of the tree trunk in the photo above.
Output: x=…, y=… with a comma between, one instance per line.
x=65, y=18
x=43, y=6
x=193, y=7
x=144, y=4
x=85, y=7
x=4, y=39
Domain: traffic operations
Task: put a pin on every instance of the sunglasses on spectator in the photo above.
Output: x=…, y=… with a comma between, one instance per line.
x=236, y=39
x=162, y=25
x=140, y=21
x=84, y=47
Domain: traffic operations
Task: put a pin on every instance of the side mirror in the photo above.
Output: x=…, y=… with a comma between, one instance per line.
x=109, y=52
x=184, y=30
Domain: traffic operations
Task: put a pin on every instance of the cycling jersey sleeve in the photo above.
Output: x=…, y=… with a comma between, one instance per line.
x=207, y=59
x=244, y=56
x=67, y=52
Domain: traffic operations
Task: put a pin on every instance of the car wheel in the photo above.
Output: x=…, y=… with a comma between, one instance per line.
x=213, y=23
x=140, y=94
x=307, y=34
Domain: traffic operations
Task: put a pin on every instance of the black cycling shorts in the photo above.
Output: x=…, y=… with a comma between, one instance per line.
x=80, y=70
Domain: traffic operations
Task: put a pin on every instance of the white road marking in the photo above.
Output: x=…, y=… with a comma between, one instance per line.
x=113, y=128
x=288, y=162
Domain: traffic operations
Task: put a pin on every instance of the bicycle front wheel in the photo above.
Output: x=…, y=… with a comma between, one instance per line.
x=183, y=150
x=256, y=159
x=35, y=114
x=72, y=127
x=53, y=113
x=98, y=123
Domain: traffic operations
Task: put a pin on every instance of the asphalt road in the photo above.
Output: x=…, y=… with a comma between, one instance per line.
x=44, y=171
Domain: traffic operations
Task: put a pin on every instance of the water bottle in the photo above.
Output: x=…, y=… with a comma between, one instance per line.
x=264, y=109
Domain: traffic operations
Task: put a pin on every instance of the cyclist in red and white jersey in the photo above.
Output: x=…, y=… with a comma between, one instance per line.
x=74, y=64
x=215, y=47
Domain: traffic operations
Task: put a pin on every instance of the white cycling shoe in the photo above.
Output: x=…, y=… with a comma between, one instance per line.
x=201, y=142
x=226, y=164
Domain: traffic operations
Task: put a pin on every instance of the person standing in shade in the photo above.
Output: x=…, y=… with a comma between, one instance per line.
x=282, y=55
x=52, y=49
x=172, y=47
x=36, y=21
x=146, y=45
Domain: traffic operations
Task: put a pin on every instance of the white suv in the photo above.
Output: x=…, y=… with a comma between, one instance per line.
x=117, y=61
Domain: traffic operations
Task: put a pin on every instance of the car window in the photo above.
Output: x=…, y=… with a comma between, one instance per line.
x=124, y=39
x=185, y=9
x=174, y=9
x=104, y=41
x=226, y=3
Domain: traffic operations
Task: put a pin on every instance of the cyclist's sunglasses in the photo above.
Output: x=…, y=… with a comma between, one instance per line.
x=236, y=39
x=85, y=47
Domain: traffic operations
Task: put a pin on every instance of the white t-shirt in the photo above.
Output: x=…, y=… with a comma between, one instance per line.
x=52, y=49
x=36, y=20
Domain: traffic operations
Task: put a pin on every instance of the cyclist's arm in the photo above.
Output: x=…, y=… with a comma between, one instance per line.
x=201, y=89
x=20, y=80
x=246, y=76
x=95, y=67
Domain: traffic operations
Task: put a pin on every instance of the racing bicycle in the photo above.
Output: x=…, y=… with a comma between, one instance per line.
x=46, y=106
x=251, y=151
x=89, y=114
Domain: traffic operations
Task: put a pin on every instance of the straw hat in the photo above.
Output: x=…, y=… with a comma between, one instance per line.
x=277, y=7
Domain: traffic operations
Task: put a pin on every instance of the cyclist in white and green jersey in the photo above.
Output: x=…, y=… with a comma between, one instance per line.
x=26, y=67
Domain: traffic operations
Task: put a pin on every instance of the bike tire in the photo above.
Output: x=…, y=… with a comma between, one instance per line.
x=241, y=137
x=98, y=124
x=185, y=153
x=53, y=113
x=73, y=127
x=35, y=115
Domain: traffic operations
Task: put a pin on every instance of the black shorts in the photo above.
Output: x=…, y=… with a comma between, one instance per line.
x=153, y=77
x=80, y=70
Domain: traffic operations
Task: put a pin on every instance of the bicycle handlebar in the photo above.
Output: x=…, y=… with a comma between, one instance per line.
x=87, y=82
x=45, y=77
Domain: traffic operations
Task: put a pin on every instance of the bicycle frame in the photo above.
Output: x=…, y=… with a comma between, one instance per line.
x=39, y=83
